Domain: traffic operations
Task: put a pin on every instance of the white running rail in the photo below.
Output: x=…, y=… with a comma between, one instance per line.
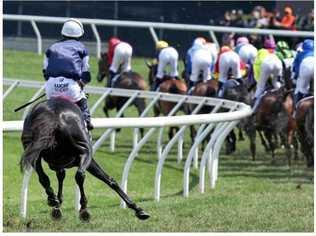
x=220, y=122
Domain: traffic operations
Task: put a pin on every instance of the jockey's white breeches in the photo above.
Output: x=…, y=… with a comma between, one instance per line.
x=168, y=56
x=201, y=62
x=270, y=67
x=248, y=53
x=63, y=87
x=229, y=60
x=122, y=58
x=306, y=75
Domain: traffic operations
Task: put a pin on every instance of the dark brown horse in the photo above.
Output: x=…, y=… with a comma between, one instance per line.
x=126, y=80
x=274, y=117
x=206, y=88
x=169, y=85
x=305, y=128
x=54, y=132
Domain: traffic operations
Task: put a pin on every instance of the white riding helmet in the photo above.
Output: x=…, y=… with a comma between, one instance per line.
x=72, y=28
x=199, y=41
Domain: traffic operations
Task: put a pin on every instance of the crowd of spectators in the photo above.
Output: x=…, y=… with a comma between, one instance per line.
x=261, y=18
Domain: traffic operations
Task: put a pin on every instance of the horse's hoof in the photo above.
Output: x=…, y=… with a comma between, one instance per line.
x=56, y=213
x=142, y=215
x=53, y=202
x=84, y=215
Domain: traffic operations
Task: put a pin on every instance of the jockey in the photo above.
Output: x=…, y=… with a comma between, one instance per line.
x=197, y=44
x=165, y=55
x=247, y=53
x=119, y=58
x=266, y=64
x=303, y=69
x=212, y=47
x=201, y=63
x=66, y=68
x=227, y=60
x=285, y=54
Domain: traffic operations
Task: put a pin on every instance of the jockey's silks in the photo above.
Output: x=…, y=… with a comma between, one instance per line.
x=262, y=54
x=65, y=59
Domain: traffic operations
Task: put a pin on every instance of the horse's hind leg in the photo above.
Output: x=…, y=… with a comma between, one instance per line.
x=263, y=142
x=80, y=177
x=83, y=213
x=140, y=105
x=60, y=176
x=52, y=199
x=269, y=137
x=240, y=134
x=97, y=171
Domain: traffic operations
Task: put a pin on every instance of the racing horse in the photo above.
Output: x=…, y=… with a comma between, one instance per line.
x=274, y=117
x=126, y=80
x=202, y=88
x=54, y=131
x=238, y=91
x=305, y=128
x=168, y=85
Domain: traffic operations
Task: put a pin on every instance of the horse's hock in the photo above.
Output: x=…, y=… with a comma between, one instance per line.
x=218, y=124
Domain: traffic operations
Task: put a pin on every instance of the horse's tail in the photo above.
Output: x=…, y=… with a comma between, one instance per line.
x=43, y=127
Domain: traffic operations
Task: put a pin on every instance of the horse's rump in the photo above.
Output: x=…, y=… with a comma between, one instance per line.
x=51, y=123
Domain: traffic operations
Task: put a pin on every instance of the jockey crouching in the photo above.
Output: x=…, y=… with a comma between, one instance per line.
x=303, y=69
x=266, y=64
x=285, y=54
x=119, y=58
x=165, y=55
x=227, y=61
x=247, y=53
x=66, y=68
x=198, y=62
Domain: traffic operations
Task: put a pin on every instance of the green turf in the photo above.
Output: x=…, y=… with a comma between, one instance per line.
x=249, y=196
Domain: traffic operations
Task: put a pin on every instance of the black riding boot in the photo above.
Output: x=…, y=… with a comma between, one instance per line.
x=156, y=84
x=83, y=105
x=191, y=85
x=111, y=76
x=220, y=91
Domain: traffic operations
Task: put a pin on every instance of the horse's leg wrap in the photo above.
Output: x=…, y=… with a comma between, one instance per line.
x=44, y=180
x=60, y=176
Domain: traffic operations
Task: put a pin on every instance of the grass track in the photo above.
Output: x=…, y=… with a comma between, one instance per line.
x=249, y=196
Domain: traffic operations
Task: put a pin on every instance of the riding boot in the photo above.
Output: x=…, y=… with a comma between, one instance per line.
x=191, y=86
x=240, y=80
x=111, y=76
x=83, y=105
x=220, y=90
x=255, y=102
x=156, y=84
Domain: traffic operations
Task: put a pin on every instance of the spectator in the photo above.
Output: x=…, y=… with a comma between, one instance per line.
x=306, y=23
x=288, y=20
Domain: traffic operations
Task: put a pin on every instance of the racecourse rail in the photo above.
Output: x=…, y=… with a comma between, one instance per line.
x=149, y=25
x=218, y=124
